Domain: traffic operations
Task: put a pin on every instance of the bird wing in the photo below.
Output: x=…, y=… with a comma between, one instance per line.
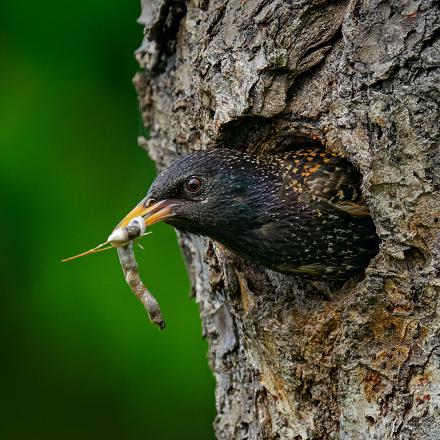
x=324, y=177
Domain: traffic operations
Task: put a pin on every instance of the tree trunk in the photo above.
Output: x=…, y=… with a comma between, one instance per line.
x=362, y=79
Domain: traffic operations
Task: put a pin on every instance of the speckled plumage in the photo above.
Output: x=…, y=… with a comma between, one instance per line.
x=299, y=212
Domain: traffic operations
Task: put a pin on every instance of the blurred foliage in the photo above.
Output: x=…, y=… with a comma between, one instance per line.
x=80, y=360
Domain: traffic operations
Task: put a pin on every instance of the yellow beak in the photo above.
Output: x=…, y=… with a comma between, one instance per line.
x=150, y=211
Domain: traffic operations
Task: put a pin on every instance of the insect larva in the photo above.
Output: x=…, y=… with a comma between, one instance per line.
x=120, y=236
x=122, y=239
x=131, y=273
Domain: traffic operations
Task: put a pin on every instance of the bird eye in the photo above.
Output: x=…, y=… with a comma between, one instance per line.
x=193, y=184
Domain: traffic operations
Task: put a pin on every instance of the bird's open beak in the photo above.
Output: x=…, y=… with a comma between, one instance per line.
x=151, y=212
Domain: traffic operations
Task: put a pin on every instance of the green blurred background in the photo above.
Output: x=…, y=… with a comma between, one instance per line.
x=79, y=357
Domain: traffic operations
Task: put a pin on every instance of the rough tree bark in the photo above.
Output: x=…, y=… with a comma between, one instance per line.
x=361, y=78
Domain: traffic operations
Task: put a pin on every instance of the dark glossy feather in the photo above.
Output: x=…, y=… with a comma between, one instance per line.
x=299, y=212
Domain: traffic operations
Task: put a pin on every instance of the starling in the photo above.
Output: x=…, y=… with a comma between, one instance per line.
x=299, y=212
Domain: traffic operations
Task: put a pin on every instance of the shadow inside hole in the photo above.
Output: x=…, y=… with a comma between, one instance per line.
x=256, y=134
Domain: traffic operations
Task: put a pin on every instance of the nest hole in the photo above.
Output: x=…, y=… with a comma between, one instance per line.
x=268, y=136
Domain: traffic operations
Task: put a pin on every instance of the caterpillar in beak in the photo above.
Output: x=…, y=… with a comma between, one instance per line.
x=119, y=237
x=122, y=239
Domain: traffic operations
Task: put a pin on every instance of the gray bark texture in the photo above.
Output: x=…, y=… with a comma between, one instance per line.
x=362, y=79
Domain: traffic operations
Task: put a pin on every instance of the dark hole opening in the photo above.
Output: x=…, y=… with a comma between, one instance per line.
x=267, y=136
x=370, y=420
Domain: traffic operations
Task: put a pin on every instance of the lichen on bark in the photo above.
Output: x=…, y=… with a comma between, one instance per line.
x=361, y=78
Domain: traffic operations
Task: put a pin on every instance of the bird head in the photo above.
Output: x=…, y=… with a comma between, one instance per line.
x=217, y=193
